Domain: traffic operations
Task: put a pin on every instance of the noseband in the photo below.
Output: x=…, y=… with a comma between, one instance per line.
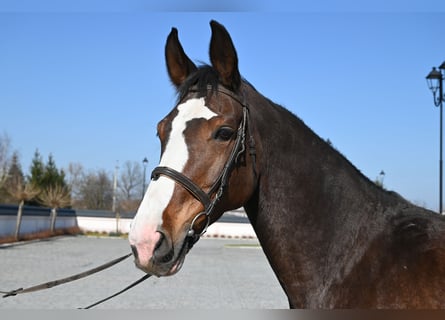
x=221, y=182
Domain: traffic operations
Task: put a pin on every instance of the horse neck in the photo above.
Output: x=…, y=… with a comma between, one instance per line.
x=311, y=205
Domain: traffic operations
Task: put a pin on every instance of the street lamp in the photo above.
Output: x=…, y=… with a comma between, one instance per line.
x=382, y=177
x=435, y=84
x=144, y=162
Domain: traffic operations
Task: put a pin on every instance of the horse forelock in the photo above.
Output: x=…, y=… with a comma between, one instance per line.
x=200, y=80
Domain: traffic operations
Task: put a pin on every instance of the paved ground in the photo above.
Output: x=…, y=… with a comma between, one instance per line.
x=218, y=273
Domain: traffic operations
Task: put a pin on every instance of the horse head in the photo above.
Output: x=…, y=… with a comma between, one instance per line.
x=205, y=167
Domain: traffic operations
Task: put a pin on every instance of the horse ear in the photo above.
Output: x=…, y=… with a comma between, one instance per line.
x=179, y=66
x=223, y=56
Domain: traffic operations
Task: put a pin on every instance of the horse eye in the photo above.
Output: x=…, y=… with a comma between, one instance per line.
x=223, y=134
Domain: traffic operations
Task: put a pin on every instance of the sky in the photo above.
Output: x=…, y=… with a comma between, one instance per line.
x=87, y=82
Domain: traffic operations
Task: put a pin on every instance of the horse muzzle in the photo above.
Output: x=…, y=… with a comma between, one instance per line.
x=165, y=258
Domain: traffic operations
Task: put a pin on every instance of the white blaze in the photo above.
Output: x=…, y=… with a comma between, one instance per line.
x=160, y=191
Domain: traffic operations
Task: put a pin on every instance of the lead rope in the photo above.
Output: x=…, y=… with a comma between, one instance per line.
x=54, y=283
x=145, y=277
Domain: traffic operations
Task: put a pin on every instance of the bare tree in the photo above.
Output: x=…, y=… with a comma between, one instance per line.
x=96, y=191
x=55, y=197
x=129, y=205
x=130, y=186
x=75, y=177
x=21, y=192
x=130, y=182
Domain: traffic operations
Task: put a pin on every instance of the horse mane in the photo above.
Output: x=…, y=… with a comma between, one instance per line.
x=206, y=76
x=327, y=147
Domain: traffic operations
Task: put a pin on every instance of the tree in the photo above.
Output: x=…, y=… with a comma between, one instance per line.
x=55, y=196
x=13, y=186
x=15, y=172
x=75, y=177
x=130, y=183
x=96, y=191
x=22, y=192
x=14, y=177
x=130, y=186
x=46, y=177
x=5, y=148
x=52, y=177
x=37, y=169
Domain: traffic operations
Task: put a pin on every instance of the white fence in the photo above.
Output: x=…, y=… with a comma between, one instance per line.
x=33, y=224
x=34, y=219
x=231, y=225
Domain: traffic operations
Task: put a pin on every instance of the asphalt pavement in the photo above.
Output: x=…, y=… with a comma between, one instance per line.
x=217, y=274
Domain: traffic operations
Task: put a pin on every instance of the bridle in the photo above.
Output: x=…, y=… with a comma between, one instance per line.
x=221, y=182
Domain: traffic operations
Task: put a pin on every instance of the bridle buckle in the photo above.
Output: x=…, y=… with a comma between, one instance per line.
x=191, y=232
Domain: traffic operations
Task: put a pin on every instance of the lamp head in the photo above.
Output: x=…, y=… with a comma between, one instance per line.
x=434, y=78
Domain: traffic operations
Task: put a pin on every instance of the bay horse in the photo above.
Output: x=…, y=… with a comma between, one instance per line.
x=333, y=238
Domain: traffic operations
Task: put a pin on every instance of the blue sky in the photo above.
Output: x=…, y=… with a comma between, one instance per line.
x=88, y=84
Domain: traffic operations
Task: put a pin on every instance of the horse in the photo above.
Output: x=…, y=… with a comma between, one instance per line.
x=333, y=238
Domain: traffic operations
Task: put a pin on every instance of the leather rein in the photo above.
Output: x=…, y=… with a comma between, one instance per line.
x=54, y=283
x=221, y=182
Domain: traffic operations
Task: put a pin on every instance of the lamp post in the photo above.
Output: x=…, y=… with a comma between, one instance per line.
x=382, y=177
x=116, y=169
x=435, y=84
x=144, y=162
x=113, y=208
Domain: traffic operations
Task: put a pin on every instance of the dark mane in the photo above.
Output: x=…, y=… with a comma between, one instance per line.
x=200, y=79
x=327, y=147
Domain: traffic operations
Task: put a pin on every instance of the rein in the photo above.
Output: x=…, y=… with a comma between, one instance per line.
x=221, y=182
x=54, y=283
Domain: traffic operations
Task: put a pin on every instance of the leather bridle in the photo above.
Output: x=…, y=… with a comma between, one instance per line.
x=221, y=182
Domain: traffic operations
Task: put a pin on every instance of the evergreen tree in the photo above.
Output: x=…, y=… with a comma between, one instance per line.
x=46, y=176
x=37, y=170
x=15, y=179
x=15, y=173
x=52, y=177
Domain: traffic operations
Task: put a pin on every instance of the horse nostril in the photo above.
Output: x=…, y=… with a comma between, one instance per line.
x=135, y=251
x=159, y=243
x=163, y=251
